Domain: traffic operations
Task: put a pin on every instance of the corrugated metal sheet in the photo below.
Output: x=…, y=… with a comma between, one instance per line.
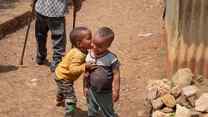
x=187, y=35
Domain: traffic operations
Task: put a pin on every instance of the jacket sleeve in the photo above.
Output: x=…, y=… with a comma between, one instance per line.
x=77, y=65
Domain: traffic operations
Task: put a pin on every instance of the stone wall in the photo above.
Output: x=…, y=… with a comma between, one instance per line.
x=180, y=96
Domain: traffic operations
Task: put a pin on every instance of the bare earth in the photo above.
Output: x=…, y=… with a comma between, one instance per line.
x=29, y=90
x=11, y=8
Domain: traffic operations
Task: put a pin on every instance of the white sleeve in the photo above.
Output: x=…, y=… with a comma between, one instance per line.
x=87, y=59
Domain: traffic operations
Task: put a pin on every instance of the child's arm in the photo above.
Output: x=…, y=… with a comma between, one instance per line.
x=85, y=83
x=77, y=65
x=116, y=84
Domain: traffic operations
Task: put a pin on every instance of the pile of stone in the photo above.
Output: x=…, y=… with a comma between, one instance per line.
x=176, y=97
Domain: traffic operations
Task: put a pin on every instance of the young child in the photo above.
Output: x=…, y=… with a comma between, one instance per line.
x=102, y=83
x=71, y=67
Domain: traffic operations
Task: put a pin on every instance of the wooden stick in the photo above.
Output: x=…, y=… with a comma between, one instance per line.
x=25, y=43
x=74, y=16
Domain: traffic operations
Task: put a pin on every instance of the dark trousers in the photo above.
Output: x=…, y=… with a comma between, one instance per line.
x=66, y=93
x=102, y=101
x=57, y=27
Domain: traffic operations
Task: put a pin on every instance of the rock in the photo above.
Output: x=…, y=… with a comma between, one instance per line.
x=183, y=77
x=175, y=91
x=145, y=34
x=33, y=80
x=189, y=90
x=169, y=100
x=196, y=114
x=157, y=104
x=152, y=93
x=167, y=82
x=201, y=104
x=163, y=91
x=162, y=86
x=192, y=100
x=167, y=110
x=182, y=111
x=148, y=107
x=199, y=78
x=182, y=101
x=159, y=114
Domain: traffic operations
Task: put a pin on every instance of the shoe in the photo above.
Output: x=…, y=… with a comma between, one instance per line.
x=40, y=61
x=52, y=68
x=71, y=108
x=70, y=111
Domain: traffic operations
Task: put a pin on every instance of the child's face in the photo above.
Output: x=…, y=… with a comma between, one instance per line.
x=85, y=42
x=99, y=45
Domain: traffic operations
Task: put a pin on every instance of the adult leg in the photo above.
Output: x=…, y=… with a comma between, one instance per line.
x=41, y=30
x=57, y=28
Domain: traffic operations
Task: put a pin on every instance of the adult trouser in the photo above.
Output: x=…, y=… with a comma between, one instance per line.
x=57, y=27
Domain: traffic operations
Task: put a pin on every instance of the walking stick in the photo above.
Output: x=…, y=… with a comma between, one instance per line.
x=25, y=43
x=74, y=16
x=27, y=32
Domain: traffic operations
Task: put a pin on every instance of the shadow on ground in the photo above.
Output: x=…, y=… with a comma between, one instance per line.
x=80, y=113
x=7, y=68
x=6, y=4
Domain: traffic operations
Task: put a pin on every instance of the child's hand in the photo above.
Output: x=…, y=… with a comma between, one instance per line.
x=90, y=66
x=85, y=91
x=86, y=75
x=115, y=96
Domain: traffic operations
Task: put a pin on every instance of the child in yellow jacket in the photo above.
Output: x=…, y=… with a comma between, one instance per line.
x=70, y=69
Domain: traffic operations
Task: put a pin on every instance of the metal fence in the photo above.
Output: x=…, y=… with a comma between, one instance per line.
x=187, y=35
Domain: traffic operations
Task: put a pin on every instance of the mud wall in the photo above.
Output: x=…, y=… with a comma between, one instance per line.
x=187, y=35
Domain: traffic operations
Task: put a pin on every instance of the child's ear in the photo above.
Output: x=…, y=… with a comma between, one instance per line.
x=78, y=43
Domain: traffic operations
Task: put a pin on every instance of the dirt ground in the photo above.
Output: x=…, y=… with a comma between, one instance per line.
x=29, y=90
x=12, y=8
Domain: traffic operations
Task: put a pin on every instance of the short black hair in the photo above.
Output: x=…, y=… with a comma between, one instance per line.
x=106, y=33
x=77, y=34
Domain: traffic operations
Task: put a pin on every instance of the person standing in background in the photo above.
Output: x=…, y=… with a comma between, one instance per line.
x=50, y=15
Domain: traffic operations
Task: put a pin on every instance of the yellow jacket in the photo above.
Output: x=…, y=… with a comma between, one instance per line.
x=72, y=65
